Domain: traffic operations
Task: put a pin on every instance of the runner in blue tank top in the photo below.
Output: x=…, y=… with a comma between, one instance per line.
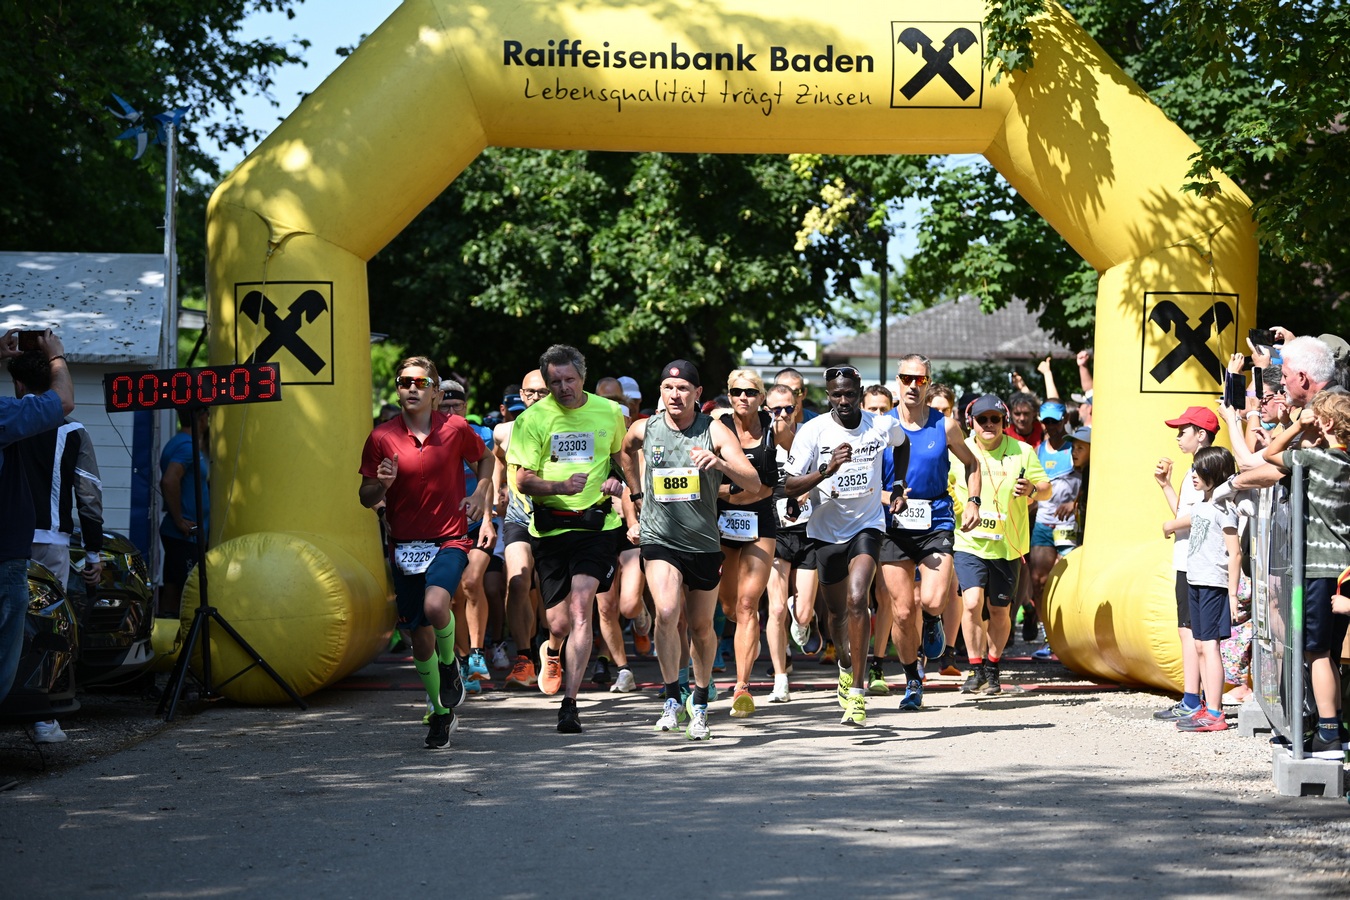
x=922, y=534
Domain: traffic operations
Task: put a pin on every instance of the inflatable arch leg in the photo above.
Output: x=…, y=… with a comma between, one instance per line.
x=441, y=80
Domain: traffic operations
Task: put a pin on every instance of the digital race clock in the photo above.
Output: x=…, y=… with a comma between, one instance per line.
x=187, y=388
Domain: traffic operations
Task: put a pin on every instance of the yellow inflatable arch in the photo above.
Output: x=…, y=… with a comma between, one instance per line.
x=297, y=567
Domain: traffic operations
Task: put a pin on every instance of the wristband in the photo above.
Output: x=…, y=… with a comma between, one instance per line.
x=55, y=358
x=636, y=495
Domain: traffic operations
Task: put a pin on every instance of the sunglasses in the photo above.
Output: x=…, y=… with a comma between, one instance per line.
x=990, y=419
x=781, y=410
x=407, y=381
x=834, y=372
x=920, y=380
x=743, y=392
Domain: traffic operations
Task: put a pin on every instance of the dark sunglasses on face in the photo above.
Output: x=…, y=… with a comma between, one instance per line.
x=840, y=372
x=782, y=410
x=743, y=392
x=990, y=419
x=407, y=381
x=920, y=380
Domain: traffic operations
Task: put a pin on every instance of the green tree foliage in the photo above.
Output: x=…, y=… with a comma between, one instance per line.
x=633, y=258
x=66, y=184
x=1260, y=86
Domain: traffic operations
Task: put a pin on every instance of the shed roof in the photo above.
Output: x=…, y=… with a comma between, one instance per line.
x=105, y=307
x=959, y=331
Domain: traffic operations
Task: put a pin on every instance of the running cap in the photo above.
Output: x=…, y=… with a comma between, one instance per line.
x=1339, y=348
x=681, y=368
x=453, y=390
x=988, y=403
x=1083, y=434
x=1197, y=416
x=513, y=403
x=631, y=391
x=1052, y=409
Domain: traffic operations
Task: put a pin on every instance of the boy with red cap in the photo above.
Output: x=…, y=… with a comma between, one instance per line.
x=1196, y=428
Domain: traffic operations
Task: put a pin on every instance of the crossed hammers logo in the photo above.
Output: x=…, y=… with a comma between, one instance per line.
x=937, y=63
x=1192, y=343
x=285, y=333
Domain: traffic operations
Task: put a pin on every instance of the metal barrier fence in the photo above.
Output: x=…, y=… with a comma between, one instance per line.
x=1277, y=659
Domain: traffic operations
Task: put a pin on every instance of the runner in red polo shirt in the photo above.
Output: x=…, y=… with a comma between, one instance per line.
x=415, y=463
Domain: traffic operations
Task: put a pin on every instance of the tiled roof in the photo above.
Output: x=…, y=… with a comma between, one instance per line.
x=957, y=330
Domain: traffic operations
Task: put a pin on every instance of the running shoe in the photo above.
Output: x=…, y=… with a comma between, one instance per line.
x=845, y=684
x=522, y=673
x=976, y=681
x=625, y=683
x=1321, y=748
x=742, y=704
x=993, y=683
x=1204, y=720
x=441, y=726
x=501, y=660
x=855, y=711
x=947, y=664
x=780, y=692
x=913, y=698
x=476, y=667
x=601, y=674
x=698, y=725
x=1045, y=654
x=452, y=685
x=934, y=638
x=1176, y=711
x=876, y=679
x=800, y=634
x=48, y=732
x=551, y=674
x=471, y=685
x=642, y=631
x=672, y=714
x=569, y=720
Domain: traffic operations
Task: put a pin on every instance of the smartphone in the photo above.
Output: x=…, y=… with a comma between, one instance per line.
x=1261, y=337
x=28, y=340
x=1235, y=391
x=1259, y=383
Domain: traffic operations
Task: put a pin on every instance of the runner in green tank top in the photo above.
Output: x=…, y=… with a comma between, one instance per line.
x=679, y=459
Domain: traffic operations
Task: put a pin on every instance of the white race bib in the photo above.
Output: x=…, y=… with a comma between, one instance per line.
x=853, y=480
x=573, y=446
x=991, y=527
x=738, y=525
x=916, y=516
x=675, y=485
x=413, y=557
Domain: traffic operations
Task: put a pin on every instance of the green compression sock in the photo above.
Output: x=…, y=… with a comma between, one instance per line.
x=445, y=642
x=431, y=680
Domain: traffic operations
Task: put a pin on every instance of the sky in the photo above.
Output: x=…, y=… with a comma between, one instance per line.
x=328, y=25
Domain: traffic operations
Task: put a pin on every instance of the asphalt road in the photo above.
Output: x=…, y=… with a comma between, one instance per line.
x=1062, y=789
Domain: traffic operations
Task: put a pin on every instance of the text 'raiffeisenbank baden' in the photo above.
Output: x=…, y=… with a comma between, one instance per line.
x=567, y=53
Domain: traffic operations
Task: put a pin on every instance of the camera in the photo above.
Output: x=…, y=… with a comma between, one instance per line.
x=28, y=340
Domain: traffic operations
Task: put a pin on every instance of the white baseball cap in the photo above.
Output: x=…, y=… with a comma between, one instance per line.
x=630, y=387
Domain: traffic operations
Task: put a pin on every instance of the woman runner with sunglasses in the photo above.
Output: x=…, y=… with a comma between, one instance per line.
x=748, y=524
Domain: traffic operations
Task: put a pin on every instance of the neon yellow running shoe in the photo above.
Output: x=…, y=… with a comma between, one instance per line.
x=845, y=682
x=742, y=704
x=855, y=711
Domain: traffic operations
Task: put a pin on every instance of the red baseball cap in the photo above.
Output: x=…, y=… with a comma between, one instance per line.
x=1198, y=416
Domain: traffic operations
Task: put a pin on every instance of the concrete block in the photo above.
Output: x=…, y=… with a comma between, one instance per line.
x=1252, y=720
x=1306, y=777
